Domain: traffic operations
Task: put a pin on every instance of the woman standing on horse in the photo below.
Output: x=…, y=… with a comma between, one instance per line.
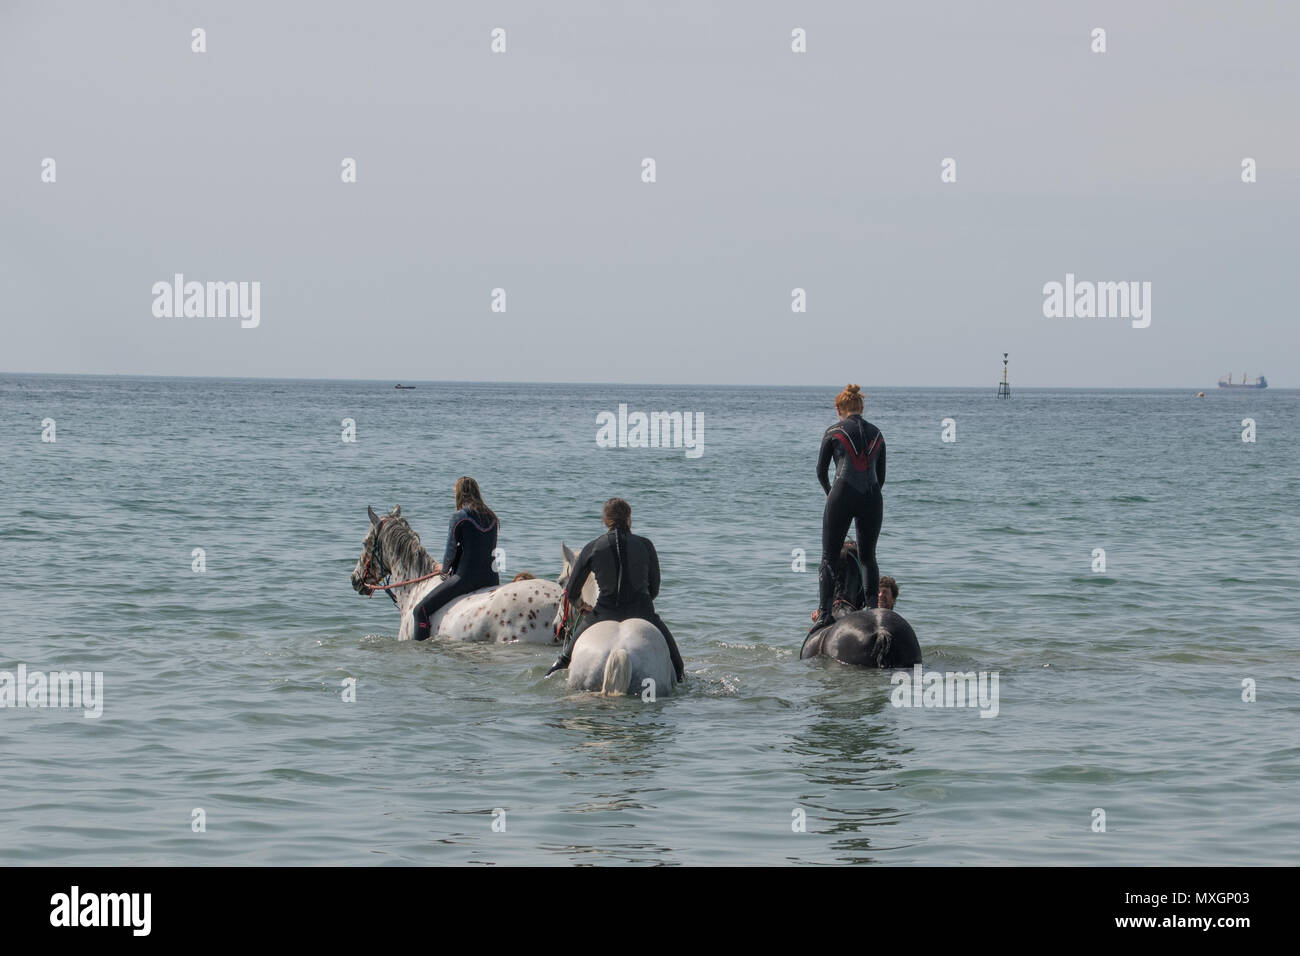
x=467, y=563
x=858, y=448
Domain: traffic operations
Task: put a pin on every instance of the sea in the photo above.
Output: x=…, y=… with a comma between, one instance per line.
x=1121, y=567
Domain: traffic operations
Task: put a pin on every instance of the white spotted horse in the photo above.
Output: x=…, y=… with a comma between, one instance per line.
x=393, y=560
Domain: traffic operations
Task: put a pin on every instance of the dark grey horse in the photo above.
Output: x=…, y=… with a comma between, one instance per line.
x=872, y=637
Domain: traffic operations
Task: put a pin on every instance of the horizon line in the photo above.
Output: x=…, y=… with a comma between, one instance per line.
x=436, y=381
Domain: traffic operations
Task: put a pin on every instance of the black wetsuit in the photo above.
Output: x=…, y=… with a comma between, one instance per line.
x=627, y=573
x=467, y=561
x=859, y=452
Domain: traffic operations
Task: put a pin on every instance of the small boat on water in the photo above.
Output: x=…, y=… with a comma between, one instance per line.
x=404, y=386
x=1227, y=382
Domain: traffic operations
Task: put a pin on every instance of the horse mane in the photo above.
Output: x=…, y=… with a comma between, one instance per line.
x=402, y=548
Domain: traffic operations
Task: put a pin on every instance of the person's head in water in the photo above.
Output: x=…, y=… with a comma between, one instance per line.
x=849, y=551
x=849, y=401
x=523, y=576
x=469, y=496
x=618, y=514
x=888, y=595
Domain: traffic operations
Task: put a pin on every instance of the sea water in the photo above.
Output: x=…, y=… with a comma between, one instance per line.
x=1122, y=562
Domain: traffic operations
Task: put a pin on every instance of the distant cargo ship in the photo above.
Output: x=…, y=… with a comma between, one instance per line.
x=1227, y=382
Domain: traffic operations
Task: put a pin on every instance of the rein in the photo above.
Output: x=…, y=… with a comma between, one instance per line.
x=402, y=584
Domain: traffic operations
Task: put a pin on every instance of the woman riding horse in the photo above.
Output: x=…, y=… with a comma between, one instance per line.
x=627, y=574
x=468, y=559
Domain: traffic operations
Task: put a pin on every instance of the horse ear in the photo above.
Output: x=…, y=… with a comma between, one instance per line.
x=566, y=568
x=397, y=511
x=374, y=518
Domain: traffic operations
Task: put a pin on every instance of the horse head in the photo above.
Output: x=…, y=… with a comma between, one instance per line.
x=590, y=592
x=372, y=567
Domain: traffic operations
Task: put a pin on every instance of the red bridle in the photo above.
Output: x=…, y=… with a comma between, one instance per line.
x=567, y=616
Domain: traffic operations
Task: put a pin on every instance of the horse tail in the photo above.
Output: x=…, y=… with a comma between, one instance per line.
x=618, y=673
x=883, y=650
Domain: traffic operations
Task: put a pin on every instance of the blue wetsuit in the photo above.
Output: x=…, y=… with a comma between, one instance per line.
x=467, y=562
x=858, y=449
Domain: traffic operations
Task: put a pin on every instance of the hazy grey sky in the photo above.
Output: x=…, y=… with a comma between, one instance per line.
x=775, y=170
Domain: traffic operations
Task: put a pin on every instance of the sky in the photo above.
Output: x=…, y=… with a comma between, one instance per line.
x=774, y=171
